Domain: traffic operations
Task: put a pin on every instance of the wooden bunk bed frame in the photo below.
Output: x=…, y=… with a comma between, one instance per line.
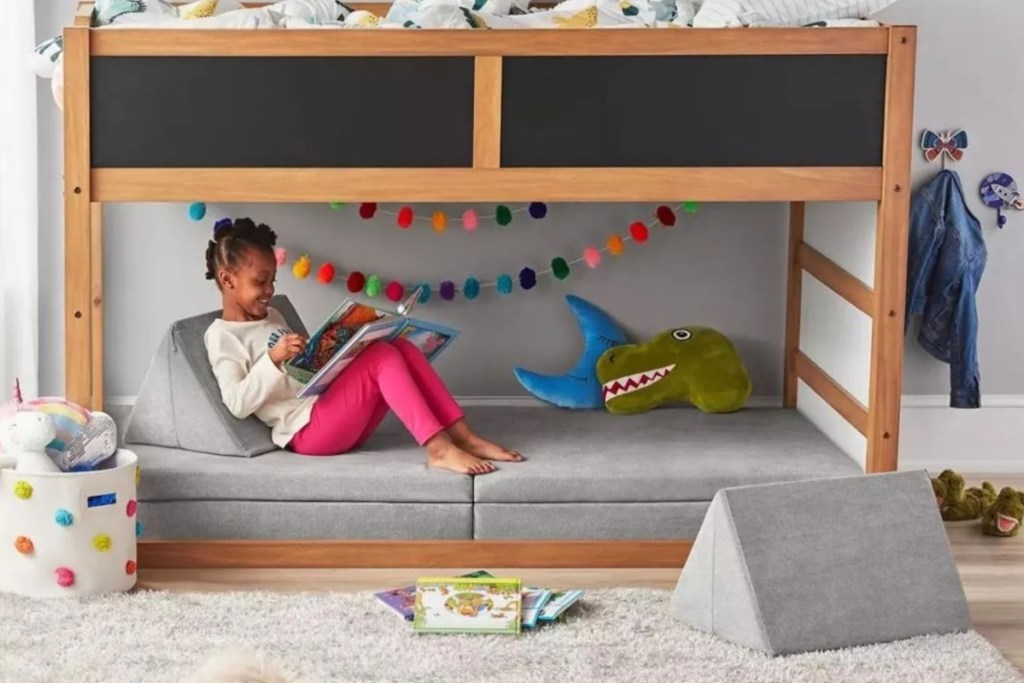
x=492, y=74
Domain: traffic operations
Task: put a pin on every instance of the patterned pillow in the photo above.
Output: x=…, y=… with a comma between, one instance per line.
x=201, y=9
x=107, y=11
x=723, y=13
x=46, y=55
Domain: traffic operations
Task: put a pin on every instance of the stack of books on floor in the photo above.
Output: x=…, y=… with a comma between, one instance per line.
x=477, y=602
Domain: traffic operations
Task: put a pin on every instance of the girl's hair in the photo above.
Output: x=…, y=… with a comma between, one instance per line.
x=231, y=239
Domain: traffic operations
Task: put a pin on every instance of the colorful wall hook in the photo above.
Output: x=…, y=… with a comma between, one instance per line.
x=939, y=146
x=999, y=191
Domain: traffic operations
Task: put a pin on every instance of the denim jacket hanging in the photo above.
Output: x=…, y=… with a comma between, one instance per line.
x=947, y=256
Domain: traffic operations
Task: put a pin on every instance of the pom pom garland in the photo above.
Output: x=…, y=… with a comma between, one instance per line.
x=592, y=257
x=395, y=291
x=355, y=282
x=447, y=290
x=559, y=268
x=326, y=274
x=665, y=216
x=503, y=215
x=504, y=284
x=439, y=221
x=615, y=245
x=281, y=256
x=527, y=278
x=425, y=294
x=367, y=210
x=470, y=220
x=538, y=210
x=690, y=207
x=336, y=205
x=302, y=267
x=220, y=225
x=405, y=217
x=638, y=231
x=197, y=211
x=373, y=286
x=471, y=288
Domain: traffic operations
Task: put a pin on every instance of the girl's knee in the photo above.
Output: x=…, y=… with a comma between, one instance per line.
x=383, y=353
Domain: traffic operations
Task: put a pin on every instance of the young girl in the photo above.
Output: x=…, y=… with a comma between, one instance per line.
x=247, y=345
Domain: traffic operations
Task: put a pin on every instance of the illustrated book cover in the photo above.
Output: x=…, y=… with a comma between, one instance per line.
x=534, y=600
x=468, y=605
x=350, y=329
x=403, y=600
x=559, y=602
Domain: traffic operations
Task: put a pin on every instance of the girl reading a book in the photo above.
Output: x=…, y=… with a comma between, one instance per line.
x=248, y=344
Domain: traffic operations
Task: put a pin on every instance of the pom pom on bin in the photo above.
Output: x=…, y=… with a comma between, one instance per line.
x=63, y=518
x=132, y=506
x=24, y=545
x=130, y=566
x=101, y=542
x=65, y=577
x=23, y=489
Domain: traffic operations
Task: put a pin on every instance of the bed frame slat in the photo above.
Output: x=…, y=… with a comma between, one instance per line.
x=826, y=271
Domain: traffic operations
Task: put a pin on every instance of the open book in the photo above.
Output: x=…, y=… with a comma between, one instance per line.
x=353, y=327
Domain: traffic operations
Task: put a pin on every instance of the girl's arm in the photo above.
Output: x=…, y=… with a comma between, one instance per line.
x=244, y=385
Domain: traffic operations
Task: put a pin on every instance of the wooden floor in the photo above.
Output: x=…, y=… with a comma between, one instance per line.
x=992, y=570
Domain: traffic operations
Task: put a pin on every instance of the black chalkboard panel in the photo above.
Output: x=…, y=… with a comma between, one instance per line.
x=248, y=112
x=807, y=110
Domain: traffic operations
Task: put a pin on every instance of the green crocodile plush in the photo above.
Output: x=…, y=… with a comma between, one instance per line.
x=948, y=488
x=697, y=365
x=1006, y=514
x=976, y=501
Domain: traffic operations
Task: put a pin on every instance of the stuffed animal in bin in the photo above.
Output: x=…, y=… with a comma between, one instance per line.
x=24, y=437
x=1005, y=515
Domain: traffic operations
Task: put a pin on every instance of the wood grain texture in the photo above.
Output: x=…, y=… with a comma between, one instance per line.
x=322, y=554
x=842, y=401
x=828, y=272
x=487, y=112
x=83, y=14
x=78, y=283
x=485, y=185
x=794, y=280
x=96, y=277
x=891, y=235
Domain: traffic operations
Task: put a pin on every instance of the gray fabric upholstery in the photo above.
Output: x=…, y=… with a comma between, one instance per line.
x=826, y=564
x=674, y=454
x=604, y=521
x=179, y=404
x=225, y=519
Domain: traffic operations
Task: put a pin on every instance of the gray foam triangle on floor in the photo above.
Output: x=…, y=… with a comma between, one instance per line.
x=823, y=564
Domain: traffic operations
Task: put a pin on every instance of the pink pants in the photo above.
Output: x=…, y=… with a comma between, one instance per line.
x=385, y=375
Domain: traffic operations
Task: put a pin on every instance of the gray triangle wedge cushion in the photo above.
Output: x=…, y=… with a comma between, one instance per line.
x=179, y=403
x=823, y=564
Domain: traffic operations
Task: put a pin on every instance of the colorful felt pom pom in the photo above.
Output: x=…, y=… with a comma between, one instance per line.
x=527, y=278
x=373, y=286
x=23, y=489
x=690, y=207
x=503, y=215
x=196, y=211
x=614, y=245
x=638, y=231
x=559, y=268
x=138, y=529
x=538, y=210
x=326, y=274
x=471, y=288
x=355, y=282
x=129, y=567
x=131, y=507
x=424, y=292
x=24, y=545
x=367, y=210
x=439, y=221
x=504, y=284
x=405, y=217
x=592, y=257
x=221, y=224
x=395, y=291
x=666, y=216
x=65, y=577
x=447, y=290
x=101, y=542
x=336, y=205
x=470, y=220
x=302, y=267
x=281, y=256
x=63, y=518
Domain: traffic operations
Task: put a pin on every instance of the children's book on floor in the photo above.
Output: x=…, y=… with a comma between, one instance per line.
x=403, y=599
x=468, y=605
x=558, y=603
x=350, y=329
x=534, y=600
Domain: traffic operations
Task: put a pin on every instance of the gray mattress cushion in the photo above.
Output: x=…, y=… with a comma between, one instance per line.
x=179, y=403
x=225, y=519
x=672, y=455
x=606, y=521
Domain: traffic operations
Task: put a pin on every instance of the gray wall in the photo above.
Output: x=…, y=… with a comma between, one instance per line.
x=723, y=267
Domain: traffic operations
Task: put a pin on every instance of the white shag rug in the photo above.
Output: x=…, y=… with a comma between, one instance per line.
x=612, y=635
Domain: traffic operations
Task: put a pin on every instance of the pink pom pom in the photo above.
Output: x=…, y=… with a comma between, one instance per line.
x=592, y=257
x=65, y=577
x=281, y=255
x=470, y=220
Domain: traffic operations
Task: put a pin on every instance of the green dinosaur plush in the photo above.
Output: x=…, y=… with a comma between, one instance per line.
x=948, y=488
x=695, y=365
x=1006, y=514
x=976, y=501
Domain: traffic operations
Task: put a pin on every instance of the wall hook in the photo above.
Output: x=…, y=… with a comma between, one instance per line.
x=999, y=191
x=941, y=145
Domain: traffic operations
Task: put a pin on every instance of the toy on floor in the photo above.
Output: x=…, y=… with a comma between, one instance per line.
x=975, y=502
x=696, y=365
x=1005, y=515
x=948, y=488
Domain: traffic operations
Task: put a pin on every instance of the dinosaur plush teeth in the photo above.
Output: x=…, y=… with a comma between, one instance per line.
x=630, y=383
x=1005, y=523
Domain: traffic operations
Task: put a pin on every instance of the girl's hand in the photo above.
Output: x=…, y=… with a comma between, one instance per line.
x=287, y=347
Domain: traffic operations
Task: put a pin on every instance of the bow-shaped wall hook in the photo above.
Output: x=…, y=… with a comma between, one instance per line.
x=941, y=145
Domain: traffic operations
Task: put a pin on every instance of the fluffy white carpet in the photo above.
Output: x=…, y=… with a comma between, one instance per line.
x=613, y=635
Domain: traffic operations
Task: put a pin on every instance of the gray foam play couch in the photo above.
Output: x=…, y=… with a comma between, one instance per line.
x=589, y=474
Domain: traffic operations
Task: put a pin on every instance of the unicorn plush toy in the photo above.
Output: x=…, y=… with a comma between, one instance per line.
x=24, y=436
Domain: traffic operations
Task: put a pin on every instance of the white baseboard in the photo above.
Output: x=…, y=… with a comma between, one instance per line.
x=933, y=436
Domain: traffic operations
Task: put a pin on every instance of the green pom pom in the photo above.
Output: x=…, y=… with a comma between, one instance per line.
x=336, y=205
x=373, y=286
x=690, y=207
x=503, y=215
x=559, y=267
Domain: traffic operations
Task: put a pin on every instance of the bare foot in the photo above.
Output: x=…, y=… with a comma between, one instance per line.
x=488, y=450
x=444, y=454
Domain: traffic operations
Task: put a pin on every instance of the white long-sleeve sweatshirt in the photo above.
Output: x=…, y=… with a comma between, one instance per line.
x=249, y=381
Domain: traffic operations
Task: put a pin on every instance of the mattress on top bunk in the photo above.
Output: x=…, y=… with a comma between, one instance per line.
x=587, y=475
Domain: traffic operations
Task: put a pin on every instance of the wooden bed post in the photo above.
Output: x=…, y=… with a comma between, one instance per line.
x=891, y=234
x=487, y=112
x=78, y=240
x=797, y=213
x=96, y=289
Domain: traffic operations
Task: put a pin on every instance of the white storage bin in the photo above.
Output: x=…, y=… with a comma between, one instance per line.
x=69, y=534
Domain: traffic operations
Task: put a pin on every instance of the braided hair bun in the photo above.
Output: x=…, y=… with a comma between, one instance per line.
x=231, y=240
